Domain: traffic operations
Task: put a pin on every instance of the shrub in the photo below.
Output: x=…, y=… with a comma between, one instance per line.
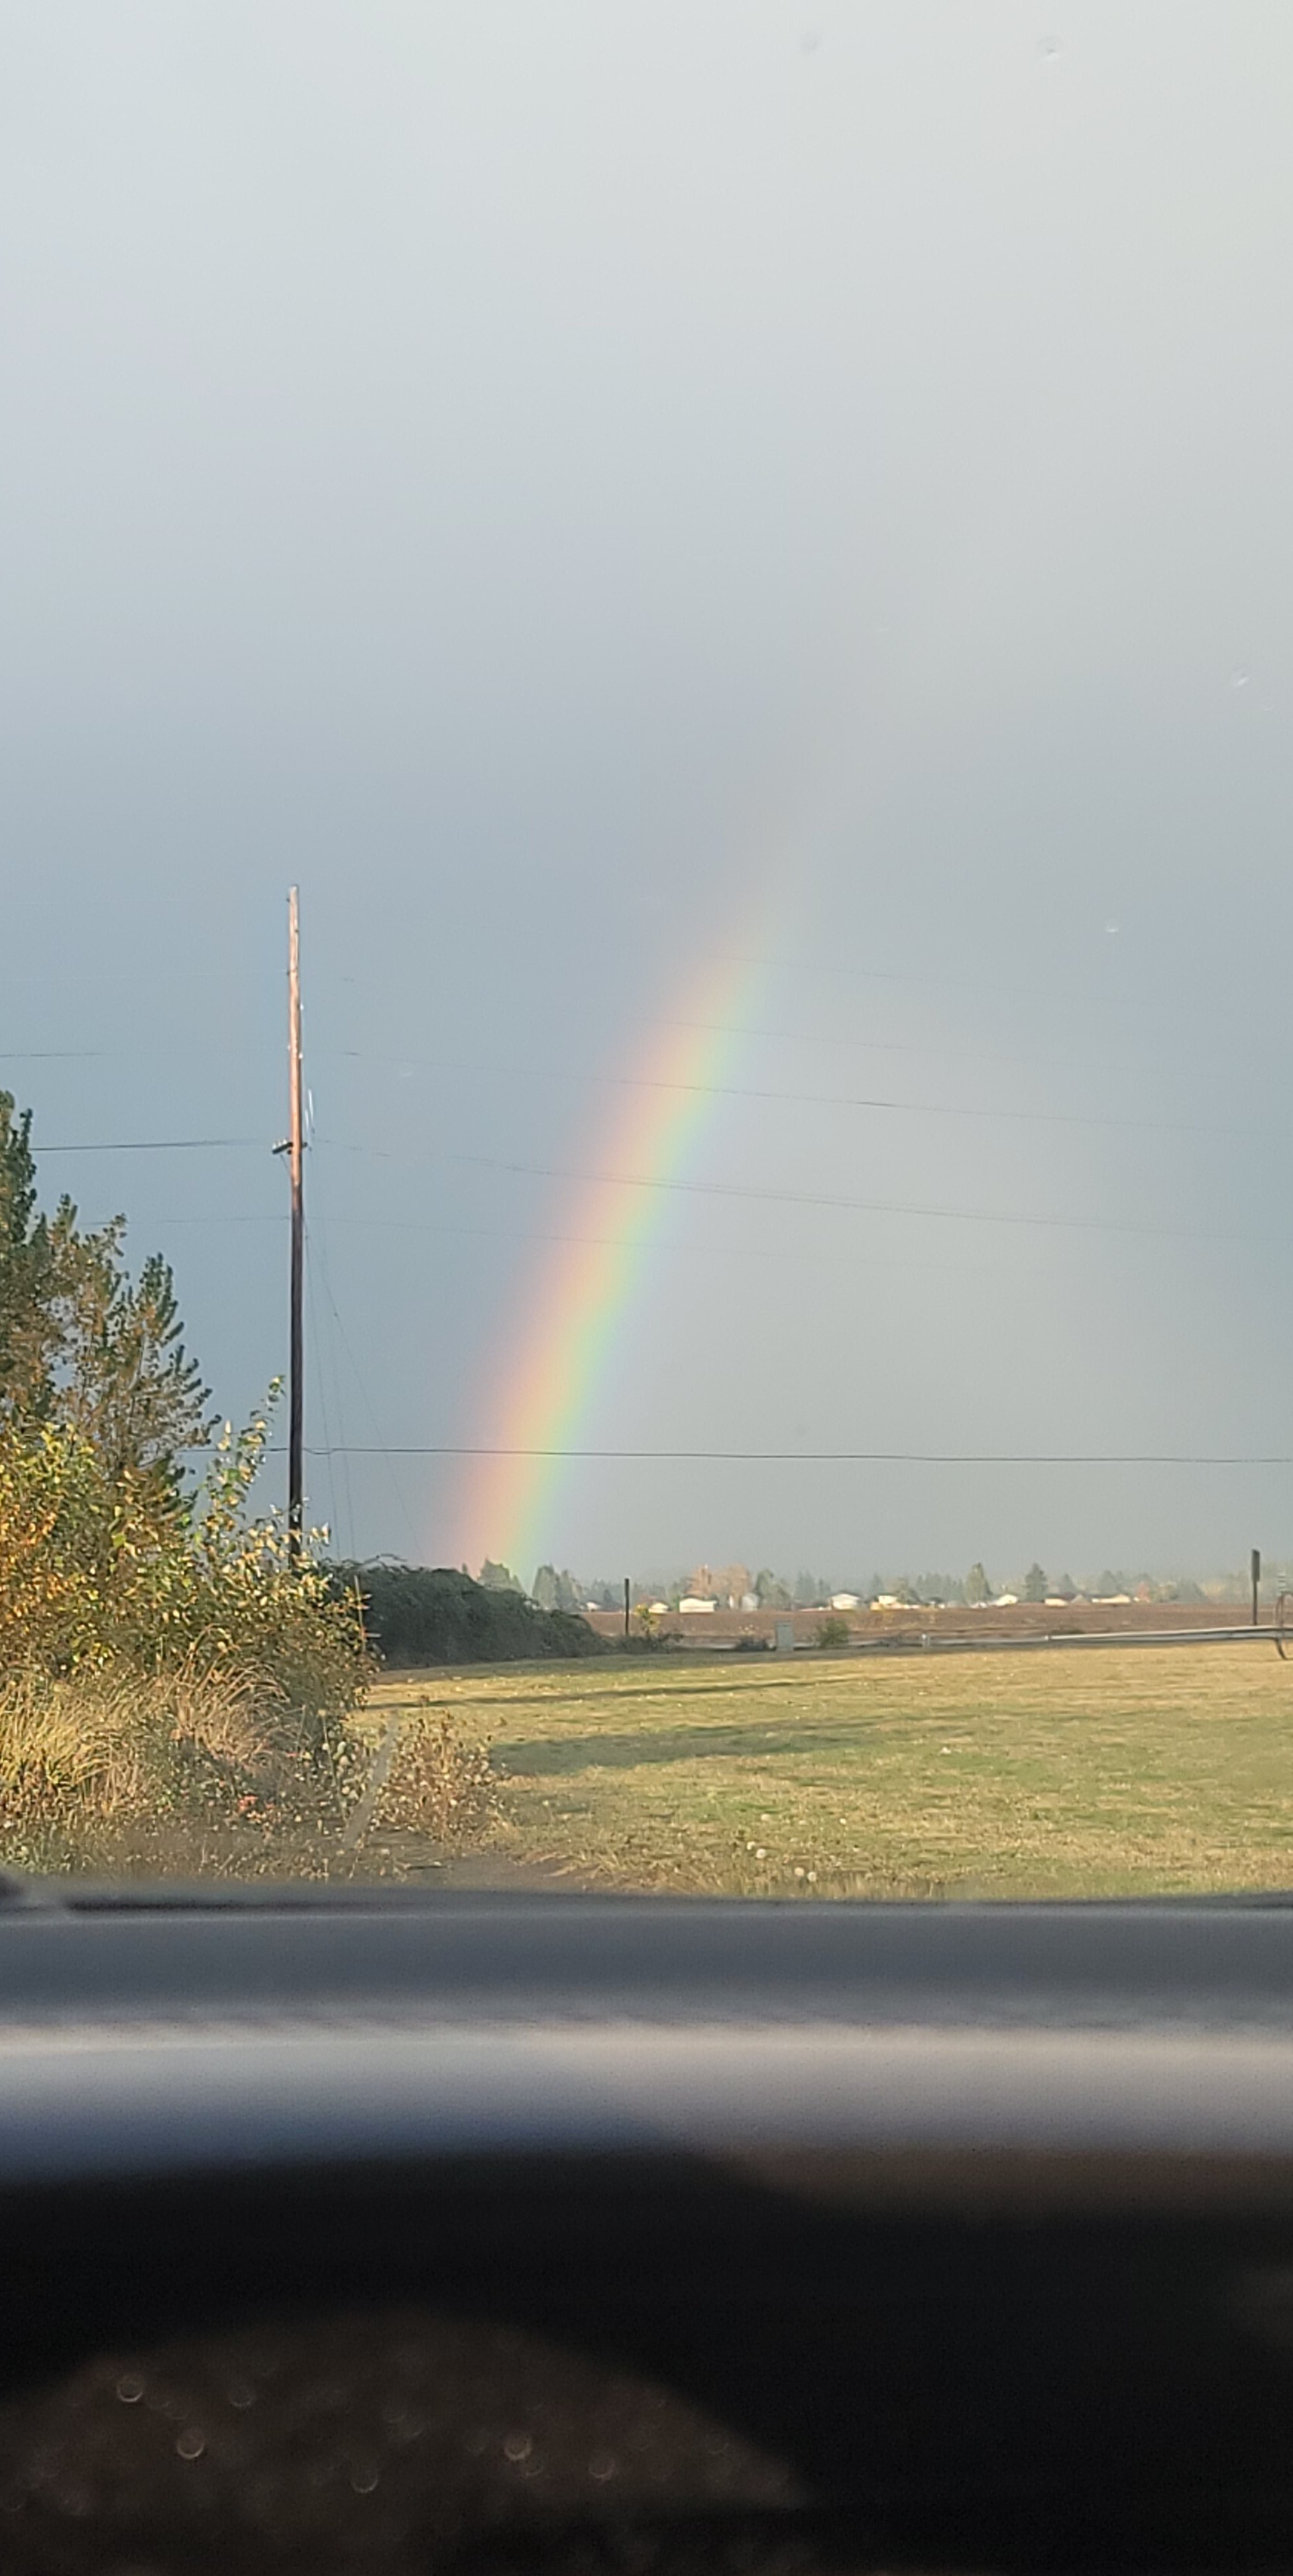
x=103, y=1572
x=832, y=1632
x=92, y=1760
x=418, y=1614
x=439, y=1784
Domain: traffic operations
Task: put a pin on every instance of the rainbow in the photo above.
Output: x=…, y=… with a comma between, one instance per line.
x=559, y=1348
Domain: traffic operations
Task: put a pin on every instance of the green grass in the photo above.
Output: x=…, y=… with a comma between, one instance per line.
x=1068, y=1773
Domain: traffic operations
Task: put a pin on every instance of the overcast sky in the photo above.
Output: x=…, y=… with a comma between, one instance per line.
x=571, y=484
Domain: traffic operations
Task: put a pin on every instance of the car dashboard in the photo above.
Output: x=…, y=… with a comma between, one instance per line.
x=371, y=2228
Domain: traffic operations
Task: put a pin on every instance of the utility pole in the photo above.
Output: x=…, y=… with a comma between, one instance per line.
x=1255, y=1569
x=628, y=1600
x=296, y=1156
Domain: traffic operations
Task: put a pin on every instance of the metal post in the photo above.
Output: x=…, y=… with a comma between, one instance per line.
x=627, y=1596
x=296, y=1144
x=1257, y=1576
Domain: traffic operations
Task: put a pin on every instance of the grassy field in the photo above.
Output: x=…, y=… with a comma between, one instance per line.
x=1081, y=1772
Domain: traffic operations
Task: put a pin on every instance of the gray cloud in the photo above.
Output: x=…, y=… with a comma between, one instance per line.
x=538, y=475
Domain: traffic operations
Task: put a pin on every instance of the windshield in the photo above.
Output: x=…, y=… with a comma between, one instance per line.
x=646, y=804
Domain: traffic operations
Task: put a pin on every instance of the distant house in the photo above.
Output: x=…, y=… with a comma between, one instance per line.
x=692, y=1603
x=1005, y=1601
x=844, y=1601
x=888, y=1601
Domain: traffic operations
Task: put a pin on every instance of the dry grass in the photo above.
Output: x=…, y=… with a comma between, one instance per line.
x=1076, y=1772
x=193, y=1774
x=439, y=1798
x=188, y=1771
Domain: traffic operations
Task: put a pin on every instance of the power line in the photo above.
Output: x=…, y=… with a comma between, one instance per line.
x=824, y=1457
x=818, y=1099
x=869, y=1207
x=158, y=1145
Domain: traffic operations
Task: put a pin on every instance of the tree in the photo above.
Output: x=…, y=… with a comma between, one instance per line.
x=977, y=1586
x=122, y=1377
x=25, y=1331
x=100, y=1570
x=498, y=1578
x=1035, y=1583
x=82, y=1347
x=770, y=1592
x=732, y=1582
x=553, y=1591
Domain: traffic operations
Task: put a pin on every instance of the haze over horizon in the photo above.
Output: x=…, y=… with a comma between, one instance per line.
x=573, y=489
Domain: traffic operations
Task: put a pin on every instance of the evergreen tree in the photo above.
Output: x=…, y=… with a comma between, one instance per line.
x=499, y=1578
x=810, y=1590
x=977, y=1586
x=1035, y=1583
x=82, y=1346
x=25, y=1265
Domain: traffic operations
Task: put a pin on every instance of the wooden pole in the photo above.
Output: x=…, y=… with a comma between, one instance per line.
x=296, y=1153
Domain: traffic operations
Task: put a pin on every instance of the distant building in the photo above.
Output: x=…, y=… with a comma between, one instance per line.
x=692, y=1603
x=844, y=1601
x=1005, y=1601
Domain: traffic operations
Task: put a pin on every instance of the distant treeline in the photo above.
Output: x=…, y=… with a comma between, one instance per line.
x=418, y=1614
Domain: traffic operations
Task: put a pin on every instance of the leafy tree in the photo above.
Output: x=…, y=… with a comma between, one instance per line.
x=1035, y=1582
x=98, y=1570
x=810, y=1589
x=977, y=1586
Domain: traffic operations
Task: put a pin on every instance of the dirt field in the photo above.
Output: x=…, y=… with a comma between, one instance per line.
x=1088, y=1771
x=870, y=1629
